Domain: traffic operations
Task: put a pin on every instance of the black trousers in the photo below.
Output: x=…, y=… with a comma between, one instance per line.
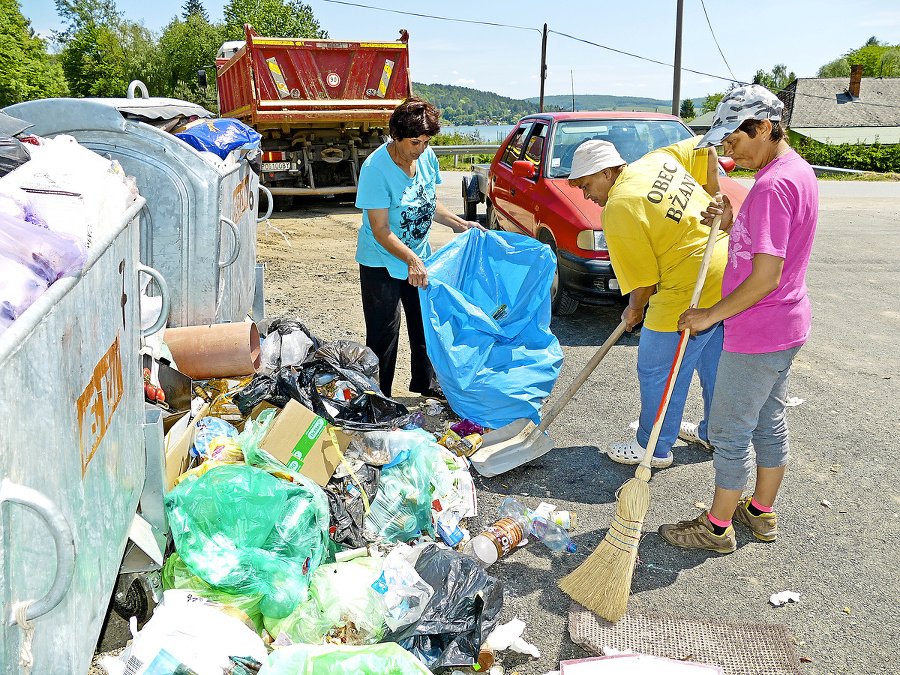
x=382, y=296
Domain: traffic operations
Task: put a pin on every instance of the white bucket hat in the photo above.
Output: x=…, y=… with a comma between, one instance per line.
x=594, y=156
x=753, y=102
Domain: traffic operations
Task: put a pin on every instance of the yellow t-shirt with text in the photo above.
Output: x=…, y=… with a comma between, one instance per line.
x=654, y=234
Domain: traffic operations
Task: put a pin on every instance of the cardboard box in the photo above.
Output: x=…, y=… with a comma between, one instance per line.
x=301, y=440
x=178, y=450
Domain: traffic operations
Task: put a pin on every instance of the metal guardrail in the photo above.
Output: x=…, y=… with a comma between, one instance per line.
x=826, y=170
x=465, y=149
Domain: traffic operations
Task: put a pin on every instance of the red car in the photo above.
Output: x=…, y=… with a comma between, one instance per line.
x=527, y=191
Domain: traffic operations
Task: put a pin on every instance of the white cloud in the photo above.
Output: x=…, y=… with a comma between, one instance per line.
x=454, y=72
x=463, y=82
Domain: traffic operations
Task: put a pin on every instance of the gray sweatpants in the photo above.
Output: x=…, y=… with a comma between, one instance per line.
x=748, y=414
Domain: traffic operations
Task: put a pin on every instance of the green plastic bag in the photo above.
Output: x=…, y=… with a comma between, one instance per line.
x=341, y=604
x=402, y=507
x=247, y=532
x=175, y=574
x=382, y=659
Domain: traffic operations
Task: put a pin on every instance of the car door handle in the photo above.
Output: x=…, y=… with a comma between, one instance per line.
x=512, y=191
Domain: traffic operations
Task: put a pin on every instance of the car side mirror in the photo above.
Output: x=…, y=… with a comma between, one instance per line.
x=201, y=79
x=523, y=169
x=727, y=164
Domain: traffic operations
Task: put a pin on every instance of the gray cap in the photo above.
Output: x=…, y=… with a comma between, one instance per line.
x=10, y=126
x=753, y=102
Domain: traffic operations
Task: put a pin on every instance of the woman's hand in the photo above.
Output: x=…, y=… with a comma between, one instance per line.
x=695, y=320
x=720, y=205
x=467, y=225
x=418, y=277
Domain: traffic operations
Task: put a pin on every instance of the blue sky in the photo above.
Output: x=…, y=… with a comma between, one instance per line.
x=802, y=34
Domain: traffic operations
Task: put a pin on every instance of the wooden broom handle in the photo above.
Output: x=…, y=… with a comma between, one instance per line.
x=682, y=346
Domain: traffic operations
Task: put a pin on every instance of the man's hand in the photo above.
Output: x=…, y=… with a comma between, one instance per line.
x=632, y=317
x=720, y=205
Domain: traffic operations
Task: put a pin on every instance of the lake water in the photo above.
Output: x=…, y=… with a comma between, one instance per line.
x=489, y=134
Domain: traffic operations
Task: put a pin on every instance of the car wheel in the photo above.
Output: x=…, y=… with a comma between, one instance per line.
x=470, y=209
x=561, y=303
x=493, y=223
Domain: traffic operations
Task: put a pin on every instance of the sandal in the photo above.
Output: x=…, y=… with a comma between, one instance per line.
x=633, y=453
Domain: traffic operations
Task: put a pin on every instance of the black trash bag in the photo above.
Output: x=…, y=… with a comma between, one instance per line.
x=286, y=325
x=263, y=387
x=346, y=505
x=463, y=611
x=349, y=354
x=368, y=410
x=13, y=154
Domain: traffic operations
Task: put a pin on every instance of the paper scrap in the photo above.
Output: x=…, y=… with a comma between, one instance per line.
x=779, y=599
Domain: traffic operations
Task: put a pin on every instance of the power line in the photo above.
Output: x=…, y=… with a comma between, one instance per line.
x=431, y=16
x=713, y=33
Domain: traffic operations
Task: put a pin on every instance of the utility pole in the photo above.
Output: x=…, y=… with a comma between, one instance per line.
x=676, y=83
x=543, y=66
x=572, y=76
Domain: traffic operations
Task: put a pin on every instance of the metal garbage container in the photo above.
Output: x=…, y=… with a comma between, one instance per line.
x=72, y=463
x=199, y=226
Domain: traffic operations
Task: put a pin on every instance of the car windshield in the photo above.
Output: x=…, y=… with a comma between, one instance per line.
x=632, y=138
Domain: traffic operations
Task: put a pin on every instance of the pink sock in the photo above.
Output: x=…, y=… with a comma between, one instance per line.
x=760, y=507
x=716, y=521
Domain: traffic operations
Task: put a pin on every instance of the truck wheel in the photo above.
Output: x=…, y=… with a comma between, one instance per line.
x=283, y=203
x=470, y=209
x=561, y=303
x=493, y=223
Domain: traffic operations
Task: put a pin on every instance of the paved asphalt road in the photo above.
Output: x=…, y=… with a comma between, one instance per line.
x=842, y=559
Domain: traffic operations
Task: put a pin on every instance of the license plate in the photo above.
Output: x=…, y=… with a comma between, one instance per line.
x=276, y=166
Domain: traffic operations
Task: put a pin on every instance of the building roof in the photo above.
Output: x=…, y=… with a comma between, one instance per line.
x=702, y=123
x=852, y=135
x=824, y=102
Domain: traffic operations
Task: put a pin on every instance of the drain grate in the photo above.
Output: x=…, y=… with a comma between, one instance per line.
x=737, y=648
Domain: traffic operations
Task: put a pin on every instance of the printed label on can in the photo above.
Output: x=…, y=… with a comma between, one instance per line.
x=505, y=535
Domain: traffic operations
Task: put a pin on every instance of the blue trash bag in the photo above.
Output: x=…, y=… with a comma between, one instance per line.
x=486, y=312
x=220, y=136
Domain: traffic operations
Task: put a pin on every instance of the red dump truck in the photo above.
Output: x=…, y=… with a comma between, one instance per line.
x=321, y=105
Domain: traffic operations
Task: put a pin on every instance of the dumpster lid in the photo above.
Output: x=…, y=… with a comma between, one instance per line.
x=10, y=126
x=156, y=107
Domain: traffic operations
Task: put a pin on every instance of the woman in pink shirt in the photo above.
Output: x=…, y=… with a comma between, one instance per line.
x=767, y=319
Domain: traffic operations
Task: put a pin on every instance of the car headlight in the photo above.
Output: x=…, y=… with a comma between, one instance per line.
x=591, y=240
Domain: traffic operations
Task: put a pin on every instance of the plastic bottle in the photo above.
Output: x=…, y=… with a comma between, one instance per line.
x=553, y=536
x=501, y=537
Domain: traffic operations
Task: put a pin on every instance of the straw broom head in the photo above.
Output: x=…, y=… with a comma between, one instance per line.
x=602, y=583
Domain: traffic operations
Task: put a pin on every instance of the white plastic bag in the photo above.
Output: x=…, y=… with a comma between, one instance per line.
x=400, y=590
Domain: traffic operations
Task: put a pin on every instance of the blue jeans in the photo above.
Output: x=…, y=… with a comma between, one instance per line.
x=656, y=352
x=748, y=415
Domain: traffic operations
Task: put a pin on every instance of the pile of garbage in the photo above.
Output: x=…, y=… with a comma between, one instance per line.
x=324, y=521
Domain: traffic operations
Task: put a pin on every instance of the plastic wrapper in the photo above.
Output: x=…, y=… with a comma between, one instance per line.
x=464, y=609
x=352, y=355
x=381, y=659
x=220, y=136
x=208, y=430
x=15, y=203
x=401, y=593
x=175, y=574
x=49, y=255
x=247, y=532
x=493, y=368
x=402, y=507
x=13, y=154
x=19, y=288
x=341, y=606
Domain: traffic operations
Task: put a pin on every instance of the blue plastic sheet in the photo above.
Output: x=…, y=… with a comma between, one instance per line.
x=486, y=312
x=220, y=136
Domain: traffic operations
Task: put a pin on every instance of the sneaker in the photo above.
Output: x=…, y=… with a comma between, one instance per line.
x=633, y=453
x=698, y=533
x=764, y=526
x=690, y=432
x=434, y=392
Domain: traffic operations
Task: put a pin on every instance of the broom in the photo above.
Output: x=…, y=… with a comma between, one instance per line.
x=602, y=583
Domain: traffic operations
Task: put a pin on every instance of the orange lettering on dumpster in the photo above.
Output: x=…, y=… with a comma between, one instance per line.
x=241, y=198
x=99, y=401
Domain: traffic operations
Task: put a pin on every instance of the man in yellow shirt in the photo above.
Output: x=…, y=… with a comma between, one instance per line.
x=652, y=221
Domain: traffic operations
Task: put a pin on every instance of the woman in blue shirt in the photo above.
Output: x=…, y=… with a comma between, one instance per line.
x=397, y=195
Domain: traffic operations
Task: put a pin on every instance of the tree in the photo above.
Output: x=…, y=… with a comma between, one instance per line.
x=776, y=80
x=687, y=112
x=186, y=47
x=711, y=102
x=876, y=58
x=194, y=8
x=26, y=69
x=275, y=18
x=102, y=52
